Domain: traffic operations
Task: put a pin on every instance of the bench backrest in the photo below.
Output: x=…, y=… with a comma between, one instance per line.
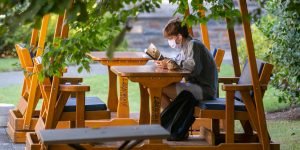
x=24, y=56
x=218, y=55
x=264, y=72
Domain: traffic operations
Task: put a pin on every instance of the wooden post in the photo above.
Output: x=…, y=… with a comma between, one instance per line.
x=144, y=106
x=187, y=13
x=123, y=105
x=262, y=128
x=204, y=31
x=31, y=101
x=155, y=98
x=229, y=116
x=112, y=99
x=43, y=33
x=233, y=47
x=80, y=109
x=58, y=27
x=65, y=27
x=51, y=103
x=34, y=36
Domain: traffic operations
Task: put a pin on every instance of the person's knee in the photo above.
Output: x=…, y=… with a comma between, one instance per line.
x=170, y=91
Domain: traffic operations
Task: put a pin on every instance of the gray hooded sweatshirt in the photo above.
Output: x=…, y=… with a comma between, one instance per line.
x=195, y=57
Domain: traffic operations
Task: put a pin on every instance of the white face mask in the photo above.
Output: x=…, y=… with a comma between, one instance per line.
x=173, y=44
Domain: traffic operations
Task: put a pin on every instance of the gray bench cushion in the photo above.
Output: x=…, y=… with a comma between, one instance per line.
x=220, y=103
x=91, y=104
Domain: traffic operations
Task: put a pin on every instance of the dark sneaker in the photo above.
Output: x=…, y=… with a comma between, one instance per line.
x=174, y=138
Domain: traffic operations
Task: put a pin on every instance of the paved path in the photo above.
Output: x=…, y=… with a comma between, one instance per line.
x=16, y=77
x=5, y=142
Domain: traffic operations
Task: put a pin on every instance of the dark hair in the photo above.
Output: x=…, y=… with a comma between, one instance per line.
x=175, y=27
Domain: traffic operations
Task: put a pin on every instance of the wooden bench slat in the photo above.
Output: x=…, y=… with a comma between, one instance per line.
x=105, y=134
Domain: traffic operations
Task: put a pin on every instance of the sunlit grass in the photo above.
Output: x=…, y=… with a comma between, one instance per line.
x=285, y=132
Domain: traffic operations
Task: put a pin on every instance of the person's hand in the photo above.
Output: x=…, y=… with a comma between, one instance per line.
x=161, y=63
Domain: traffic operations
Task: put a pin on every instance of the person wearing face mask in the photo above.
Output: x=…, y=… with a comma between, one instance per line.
x=193, y=56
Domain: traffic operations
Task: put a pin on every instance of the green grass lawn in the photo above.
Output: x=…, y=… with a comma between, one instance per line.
x=99, y=87
x=285, y=132
x=9, y=64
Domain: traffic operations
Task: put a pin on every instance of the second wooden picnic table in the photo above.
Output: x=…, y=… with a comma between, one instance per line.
x=119, y=59
x=154, y=79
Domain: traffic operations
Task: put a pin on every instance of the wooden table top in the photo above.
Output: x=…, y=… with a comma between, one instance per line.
x=147, y=70
x=101, y=56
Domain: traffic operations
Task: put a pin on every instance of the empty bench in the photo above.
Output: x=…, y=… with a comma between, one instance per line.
x=74, y=138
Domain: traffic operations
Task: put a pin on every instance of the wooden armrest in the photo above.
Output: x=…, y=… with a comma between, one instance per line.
x=241, y=87
x=72, y=80
x=228, y=80
x=74, y=88
x=69, y=88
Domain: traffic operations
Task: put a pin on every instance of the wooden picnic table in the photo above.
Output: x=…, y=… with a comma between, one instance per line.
x=119, y=59
x=154, y=79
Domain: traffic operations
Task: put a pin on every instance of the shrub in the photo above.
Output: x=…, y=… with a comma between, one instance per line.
x=261, y=45
x=22, y=34
x=7, y=41
x=284, y=32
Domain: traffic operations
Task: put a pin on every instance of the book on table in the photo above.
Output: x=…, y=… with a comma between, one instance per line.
x=153, y=52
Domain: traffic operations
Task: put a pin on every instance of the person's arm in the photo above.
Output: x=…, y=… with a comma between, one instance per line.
x=178, y=58
x=189, y=62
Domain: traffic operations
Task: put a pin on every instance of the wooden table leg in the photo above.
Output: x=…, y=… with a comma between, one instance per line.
x=123, y=105
x=80, y=104
x=112, y=99
x=155, y=96
x=229, y=116
x=144, y=106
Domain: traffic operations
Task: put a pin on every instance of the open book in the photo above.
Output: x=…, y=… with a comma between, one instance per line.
x=153, y=52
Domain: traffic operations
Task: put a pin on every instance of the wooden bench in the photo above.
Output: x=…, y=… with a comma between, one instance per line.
x=84, y=138
x=241, y=95
x=58, y=107
x=24, y=117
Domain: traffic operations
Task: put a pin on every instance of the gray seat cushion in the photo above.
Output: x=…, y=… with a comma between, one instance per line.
x=91, y=104
x=220, y=103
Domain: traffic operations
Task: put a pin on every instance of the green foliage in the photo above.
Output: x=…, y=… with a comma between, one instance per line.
x=21, y=35
x=103, y=28
x=214, y=9
x=97, y=25
x=261, y=45
x=7, y=40
x=284, y=32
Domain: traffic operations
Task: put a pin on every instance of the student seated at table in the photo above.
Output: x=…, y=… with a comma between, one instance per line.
x=193, y=56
